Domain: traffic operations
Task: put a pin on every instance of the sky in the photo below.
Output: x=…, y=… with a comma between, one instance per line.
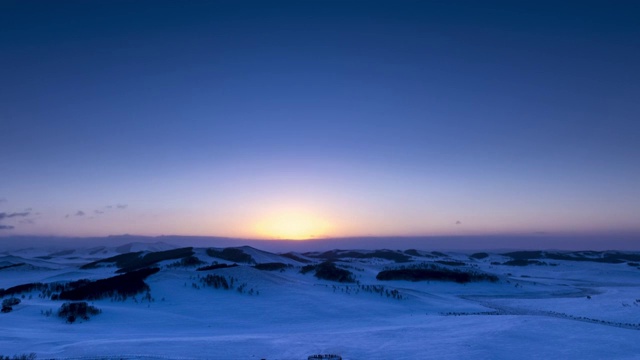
x=313, y=119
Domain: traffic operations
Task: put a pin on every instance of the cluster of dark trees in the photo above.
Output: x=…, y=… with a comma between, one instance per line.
x=333, y=255
x=134, y=261
x=215, y=266
x=23, y=288
x=379, y=289
x=324, y=357
x=225, y=283
x=217, y=281
x=608, y=257
x=8, y=304
x=307, y=268
x=522, y=262
x=451, y=262
x=120, y=286
x=231, y=254
x=329, y=271
x=188, y=261
x=272, y=266
x=31, y=356
x=426, y=272
x=72, y=311
x=465, y=313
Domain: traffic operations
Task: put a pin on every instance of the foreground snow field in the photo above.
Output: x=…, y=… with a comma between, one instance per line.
x=553, y=309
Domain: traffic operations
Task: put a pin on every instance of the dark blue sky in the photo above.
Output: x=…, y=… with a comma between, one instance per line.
x=299, y=119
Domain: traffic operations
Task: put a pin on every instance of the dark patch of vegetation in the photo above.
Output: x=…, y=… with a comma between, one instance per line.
x=31, y=356
x=215, y=267
x=479, y=256
x=412, y=252
x=186, y=262
x=307, y=268
x=8, y=304
x=426, y=272
x=293, y=256
x=522, y=262
x=437, y=253
x=617, y=257
x=592, y=256
x=329, y=271
x=120, y=286
x=155, y=257
x=10, y=266
x=451, y=262
x=72, y=311
x=134, y=261
x=19, y=289
x=324, y=357
x=216, y=281
x=10, y=301
x=333, y=255
x=633, y=264
x=231, y=254
x=224, y=283
x=375, y=289
x=272, y=266
x=191, y=261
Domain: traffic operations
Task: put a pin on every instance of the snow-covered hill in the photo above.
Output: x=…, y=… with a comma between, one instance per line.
x=284, y=306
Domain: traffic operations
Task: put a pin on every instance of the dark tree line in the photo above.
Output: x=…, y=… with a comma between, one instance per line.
x=426, y=272
x=72, y=311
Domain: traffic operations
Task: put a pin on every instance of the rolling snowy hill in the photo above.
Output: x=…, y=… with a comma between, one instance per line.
x=244, y=303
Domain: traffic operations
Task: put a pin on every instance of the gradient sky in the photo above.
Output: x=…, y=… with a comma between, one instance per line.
x=299, y=119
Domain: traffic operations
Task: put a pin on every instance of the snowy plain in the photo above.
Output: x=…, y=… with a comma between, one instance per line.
x=558, y=309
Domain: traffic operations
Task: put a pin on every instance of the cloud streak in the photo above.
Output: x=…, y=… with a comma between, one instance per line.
x=4, y=215
x=108, y=208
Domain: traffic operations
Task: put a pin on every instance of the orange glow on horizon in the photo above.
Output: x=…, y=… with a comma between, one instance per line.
x=293, y=225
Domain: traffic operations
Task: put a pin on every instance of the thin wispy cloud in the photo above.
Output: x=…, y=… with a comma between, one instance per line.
x=4, y=215
x=98, y=212
x=106, y=209
x=3, y=200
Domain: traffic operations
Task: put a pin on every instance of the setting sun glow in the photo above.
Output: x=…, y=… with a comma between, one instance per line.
x=293, y=226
